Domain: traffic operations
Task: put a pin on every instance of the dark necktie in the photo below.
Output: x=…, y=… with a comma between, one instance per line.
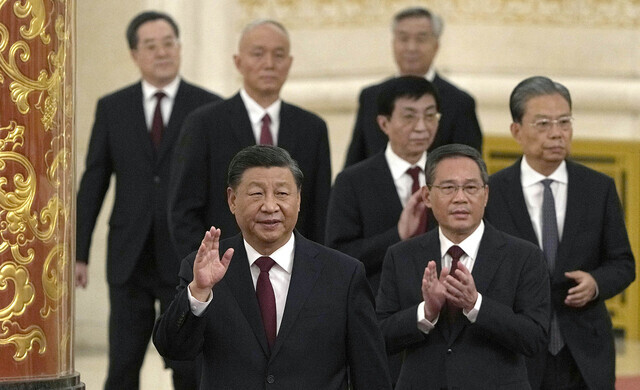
x=265, y=131
x=266, y=298
x=550, y=248
x=414, y=172
x=157, y=125
x=456, y=253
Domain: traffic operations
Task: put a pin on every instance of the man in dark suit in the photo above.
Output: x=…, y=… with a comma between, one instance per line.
x=132, y=138
x=469, y=328
x=584, y=237
x=416, y=34
x=285, y=312
x=212, y=135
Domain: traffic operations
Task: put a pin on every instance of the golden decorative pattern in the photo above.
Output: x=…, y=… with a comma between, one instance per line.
x=22, y=339
x=52, y=280
x=23, y=290
x=318, y=13
x=36, y=28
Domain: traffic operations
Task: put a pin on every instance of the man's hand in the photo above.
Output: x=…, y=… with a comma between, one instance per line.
x=409, y=221
x=433, y=291
x=460, y=288
x=82, y=274
x=585, y=290
x=209, y=268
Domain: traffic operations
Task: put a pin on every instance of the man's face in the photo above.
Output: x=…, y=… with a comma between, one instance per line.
x=412, y=126
x=265, y=203
x=263, y=60
x=545, y=149
x=158, y=52
x=414, y=45
x=459, y=213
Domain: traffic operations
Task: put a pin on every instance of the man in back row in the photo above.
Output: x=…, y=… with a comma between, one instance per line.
x=213, y=134
x=416, y=39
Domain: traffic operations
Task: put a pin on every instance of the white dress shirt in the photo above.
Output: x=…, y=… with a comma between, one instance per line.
x=279, y=275
x=401, y=178
x=149, y=101
x=470, y=246
x=533, y=190
x=256, y=113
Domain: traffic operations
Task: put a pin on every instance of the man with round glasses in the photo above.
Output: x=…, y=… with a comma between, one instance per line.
x=574, y=214
x=465, y=303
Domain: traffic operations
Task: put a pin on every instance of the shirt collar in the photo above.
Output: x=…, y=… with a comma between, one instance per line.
x=171, y=89
x=256, y=112
x=469, y=245
x=398, y=166
x=283, y=256
x=529, y=176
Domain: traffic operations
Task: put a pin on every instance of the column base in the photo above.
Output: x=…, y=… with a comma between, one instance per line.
x=70, y=382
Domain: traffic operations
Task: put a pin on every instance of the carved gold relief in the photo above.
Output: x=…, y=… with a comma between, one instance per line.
x=23, y=290
x=52, y=277
x=22, y=339
x=36, y=27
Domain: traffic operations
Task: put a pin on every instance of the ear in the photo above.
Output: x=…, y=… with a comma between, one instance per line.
x=383, y=122
x=515, y=131
x=231, y=199
x=426, y=196
x=236, y=61
x=486, y=195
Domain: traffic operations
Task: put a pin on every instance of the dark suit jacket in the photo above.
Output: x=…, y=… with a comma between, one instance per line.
x=594, y=240
x=328, y=325
x=209, y=139
x=458, y=123
x=489, y=354
x=364, y=209
x=120, y=145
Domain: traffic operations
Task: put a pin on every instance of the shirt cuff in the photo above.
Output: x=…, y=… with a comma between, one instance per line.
x=424, y=325
x=472, y=314
x=197, y=307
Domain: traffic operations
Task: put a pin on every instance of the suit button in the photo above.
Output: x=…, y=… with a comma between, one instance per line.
x=156, y=179
x=271, y=379
x=449, y=351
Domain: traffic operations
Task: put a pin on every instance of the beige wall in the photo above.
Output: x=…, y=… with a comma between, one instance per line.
x=339, y=46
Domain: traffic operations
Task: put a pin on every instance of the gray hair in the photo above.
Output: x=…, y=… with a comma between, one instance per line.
x=533, y=87
x=262, y=156
x=260, y=22
x=437, y=24
x=451, y=151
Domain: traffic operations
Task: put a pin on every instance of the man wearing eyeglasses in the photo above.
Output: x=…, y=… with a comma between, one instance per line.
x=465, y=303
x=133, y=136
x=583, y=236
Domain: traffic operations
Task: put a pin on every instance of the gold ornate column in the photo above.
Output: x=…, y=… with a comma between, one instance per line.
x=36, y=195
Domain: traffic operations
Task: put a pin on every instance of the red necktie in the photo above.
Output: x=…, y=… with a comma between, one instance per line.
x=414, y=172
x=266, y=298
x=265, y=131
x=456, y=253
x=157, y=125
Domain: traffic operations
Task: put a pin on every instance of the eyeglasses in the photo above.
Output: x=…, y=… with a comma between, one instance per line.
x=153, y=46
x=450, y=189
x=544, y=124
x=430, y=118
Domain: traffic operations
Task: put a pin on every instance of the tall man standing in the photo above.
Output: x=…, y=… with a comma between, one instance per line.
x=416, y=39
x=284, y=312
x=465, y=302
x=133, y=136
x=573, y=213
x=213, y=134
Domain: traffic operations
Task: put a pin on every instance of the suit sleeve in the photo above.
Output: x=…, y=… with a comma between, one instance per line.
x=617, y=264
x=178, y=334
x=367, y=359
x=523, y=325
x=356, y=151
x=95, y=182
x=345, y=231
x=188, y=186
x=466, y=127
x=399, y=324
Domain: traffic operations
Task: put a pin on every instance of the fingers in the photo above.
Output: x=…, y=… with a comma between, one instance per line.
x=226, y=258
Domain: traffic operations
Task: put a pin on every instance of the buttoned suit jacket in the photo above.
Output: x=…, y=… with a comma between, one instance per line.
x=328, y=325
x=489, y=354
x=458, y=123
x=121, y=146
x=364, y=209
x=594, y=240
x=210, y=138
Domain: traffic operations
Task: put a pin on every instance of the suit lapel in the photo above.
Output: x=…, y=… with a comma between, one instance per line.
x=576, y=210
x=239, y=122
x=239, y=281
x=517, y=207
x=172, y=130
x=139, y=122
x=288, y=133
x=305, y=273
x=384, y=185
